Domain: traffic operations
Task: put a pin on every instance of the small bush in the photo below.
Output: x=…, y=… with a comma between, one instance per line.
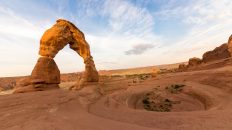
x=145, y=101
x=157, y=101
x=161, y=106
x=175, y=88
x=154, y=102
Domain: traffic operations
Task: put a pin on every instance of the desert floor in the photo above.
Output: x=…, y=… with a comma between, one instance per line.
x=116, y=103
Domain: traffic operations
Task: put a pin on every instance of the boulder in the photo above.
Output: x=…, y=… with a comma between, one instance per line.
x=194, y=62
x=182, y=67
x=218, y=53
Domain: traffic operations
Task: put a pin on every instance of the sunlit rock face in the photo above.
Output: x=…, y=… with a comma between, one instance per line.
x=194, y=62
x=218, y=53
x=61, y=34
x=230, y=45
x=90, y=75
x=182, y=67
x=46, y=73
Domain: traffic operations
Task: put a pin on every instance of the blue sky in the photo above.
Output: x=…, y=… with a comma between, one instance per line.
x=121, y=33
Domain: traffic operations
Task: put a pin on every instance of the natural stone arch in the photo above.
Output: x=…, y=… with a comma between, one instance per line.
x=63, y=33
x=46, y=74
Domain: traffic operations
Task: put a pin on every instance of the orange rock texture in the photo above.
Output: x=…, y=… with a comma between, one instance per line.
x=230, y=45
x=46, y=73
x=61, y=34
x=182, y=67
x=194, y=62
x=218, y=53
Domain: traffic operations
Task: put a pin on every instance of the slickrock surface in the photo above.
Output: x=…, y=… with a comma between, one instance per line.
x=116, y=103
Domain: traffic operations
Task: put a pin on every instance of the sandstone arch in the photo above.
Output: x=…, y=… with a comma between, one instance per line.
x=46, y=74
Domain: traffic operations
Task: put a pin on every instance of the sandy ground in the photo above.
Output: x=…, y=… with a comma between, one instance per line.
x=116, y=104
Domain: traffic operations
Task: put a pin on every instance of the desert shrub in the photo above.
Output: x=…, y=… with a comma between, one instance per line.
x=134, y=81
x=175, y=88
x=153, y=101
x=116, y=76
x=159, y=106
x=144, y=76
x=157, y=100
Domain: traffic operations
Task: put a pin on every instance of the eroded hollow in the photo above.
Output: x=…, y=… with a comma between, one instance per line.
x=162, y=100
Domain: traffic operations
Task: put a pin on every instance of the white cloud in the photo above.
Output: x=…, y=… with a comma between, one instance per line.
x=19, y=46
x=129, y=25
x=209, y=23
x=206, y=11
x=127, y=19
x=139, y=49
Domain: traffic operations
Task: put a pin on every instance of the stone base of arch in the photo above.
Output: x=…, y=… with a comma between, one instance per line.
x=45, y=76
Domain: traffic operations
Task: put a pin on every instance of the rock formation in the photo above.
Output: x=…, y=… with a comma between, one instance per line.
x=218, y=53
x=46, y=74
x=230, y=45
x=182, y=67
x=222, y=52
x=46, y=71
x=194, y=62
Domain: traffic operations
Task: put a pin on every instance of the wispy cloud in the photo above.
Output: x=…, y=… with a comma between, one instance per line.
x=139, y=49
x=127, y=19
x=18, y=48
x=209, y=24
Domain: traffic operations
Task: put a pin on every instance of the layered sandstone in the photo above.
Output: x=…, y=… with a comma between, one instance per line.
x=182, y=67
x=218, y=53
x=46, y=73
x=91, y=74
x=194, y=62
x=63, y=33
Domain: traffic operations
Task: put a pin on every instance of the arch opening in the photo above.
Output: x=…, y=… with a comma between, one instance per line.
x=68, y=61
